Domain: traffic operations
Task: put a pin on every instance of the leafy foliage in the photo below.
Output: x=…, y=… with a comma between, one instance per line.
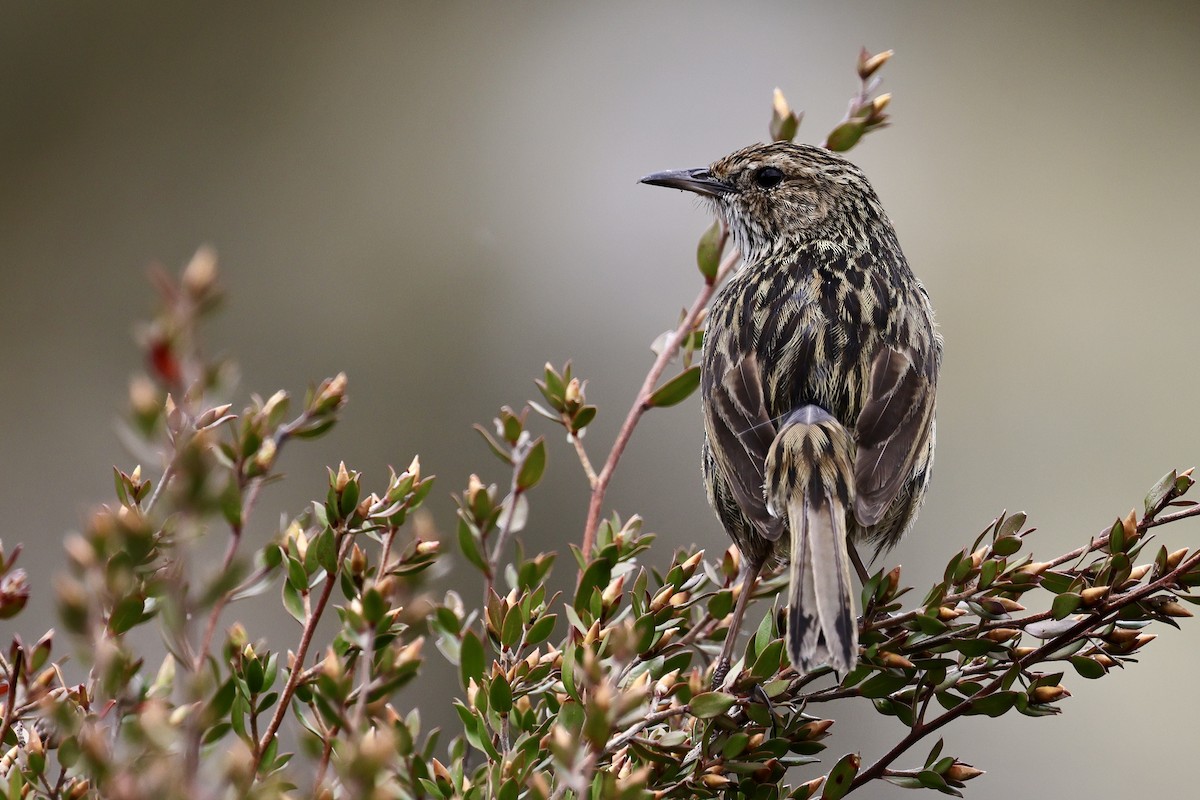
x=606, y=692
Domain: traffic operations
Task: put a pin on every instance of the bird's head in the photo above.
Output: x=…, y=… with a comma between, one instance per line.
x=781, y=195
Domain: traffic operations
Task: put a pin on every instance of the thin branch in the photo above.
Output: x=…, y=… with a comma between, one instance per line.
x=168, y=473
x=641, y=404
x=1097, y=618
x=633, y=730
x=584, y=461
x=14, y=678
x=310, y=628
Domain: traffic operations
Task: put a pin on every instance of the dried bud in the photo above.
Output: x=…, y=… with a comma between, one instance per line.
x=144, y=397
x=947, y=613
x=573, y=393
x=869, y=64
x=296, y=542
x=14, y=593
x=1001, y=634
x=1129, y=523
x=358, y=561
x=779, y=104
x=815, y=729
x=612, y=592
x=894, y=660
x=661, y=598
x=1035, y=568
x=411, y=651
x=331, y=666
x=200, y=274
x=1048, y=694
x=333, y=392
x=1094, y=594
x=961, y=772
x=713, y=781
x=265, y=457
x=1010, y=606
x=237, y=636
x=1139, y=572
x=440, y=773
x=427, y=548
x=1173, y=608
x=1174, y=559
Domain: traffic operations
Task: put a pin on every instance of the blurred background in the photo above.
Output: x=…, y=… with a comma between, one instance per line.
x=437, y=198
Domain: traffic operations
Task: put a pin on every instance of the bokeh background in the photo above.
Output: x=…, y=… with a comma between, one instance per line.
x=437, y=198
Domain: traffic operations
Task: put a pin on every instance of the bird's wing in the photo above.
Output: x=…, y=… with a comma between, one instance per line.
x=893, y=428
x=742, y=433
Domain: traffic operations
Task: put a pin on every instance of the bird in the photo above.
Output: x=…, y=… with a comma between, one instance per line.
x=818, y=381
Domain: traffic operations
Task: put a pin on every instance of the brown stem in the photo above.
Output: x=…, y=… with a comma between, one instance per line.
x=640, y=403
x=14, y=678
x=584, y=461
x=1098, y=618
x=310, y=628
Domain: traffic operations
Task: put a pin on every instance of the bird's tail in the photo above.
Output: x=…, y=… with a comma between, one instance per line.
x=810, y=477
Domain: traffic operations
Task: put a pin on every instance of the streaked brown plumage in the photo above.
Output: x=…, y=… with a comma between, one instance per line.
x=819, y=375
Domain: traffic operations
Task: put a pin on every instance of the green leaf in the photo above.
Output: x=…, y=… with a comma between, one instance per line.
x=129, y=611
x=675, y=390
x=468, y=542
x=935, y=752
x=1116, y=537
x=293, y=602
x=708, y=252
x=841, y=776
x=596, y=576
x=510, y=630
x=994, y=705
x=373, y=605
x=735, y=744
x=541, y=630
x=1010, y=526
x=1164, y=487
x=470, y=659
x=1065, y=605
x=533, y=466
x=568, y=671
x=1005, y=546
x=720, y=604
x=500, y=695
x=1088, y=668
x=930, y=625
x=707, y=705
x=841, y=139
x=883, y=684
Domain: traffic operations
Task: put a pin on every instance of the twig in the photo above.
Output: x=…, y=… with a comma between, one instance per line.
x=1096, y=619
x=584, y=461
x=14, y=677
x=168, y=473
x=632, y=731
x=640, y=403
x=285, y=698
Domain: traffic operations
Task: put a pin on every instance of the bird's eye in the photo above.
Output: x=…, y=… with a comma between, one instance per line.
x=768, y=177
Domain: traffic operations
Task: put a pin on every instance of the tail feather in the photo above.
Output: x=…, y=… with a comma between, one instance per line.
x=810, y=476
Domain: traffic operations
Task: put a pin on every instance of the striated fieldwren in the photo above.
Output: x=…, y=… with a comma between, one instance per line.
x=818, y=380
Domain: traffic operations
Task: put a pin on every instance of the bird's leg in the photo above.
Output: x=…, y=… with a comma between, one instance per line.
x=735, y=624
x=863, y=575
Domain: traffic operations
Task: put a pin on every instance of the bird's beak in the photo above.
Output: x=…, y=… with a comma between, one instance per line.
x=699, y=181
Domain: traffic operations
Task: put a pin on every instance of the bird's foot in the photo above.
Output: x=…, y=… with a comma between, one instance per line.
x=720, y=673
